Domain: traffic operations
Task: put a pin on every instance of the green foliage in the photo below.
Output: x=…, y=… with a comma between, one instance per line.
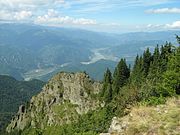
x=154, y=101
x=97, y=121
x=166, y=51
x=171, y=78
x=120, y=76
x=161, y=73
x=146, y=61
x=137, y=72
x=92, y=123
x=128, y=96
x=170, y=84
x=13, y=93
x=106, y=92
x=154, y=69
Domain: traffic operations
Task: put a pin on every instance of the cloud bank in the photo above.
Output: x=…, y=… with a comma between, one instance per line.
x=53, y=18
x=79, y=13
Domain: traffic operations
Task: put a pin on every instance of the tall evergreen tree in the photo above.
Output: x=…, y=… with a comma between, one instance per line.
x=146, y=61
x=121, y=75
x=154, y=70
x=107, y=88
x=166, y=51
x=171, y=78
x=137, y=71
x=172, y=75
x=108, y=93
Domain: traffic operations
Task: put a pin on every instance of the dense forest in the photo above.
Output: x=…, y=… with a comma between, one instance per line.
x=13, y=93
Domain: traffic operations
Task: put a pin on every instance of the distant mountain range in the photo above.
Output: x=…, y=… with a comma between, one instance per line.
x=31, y=51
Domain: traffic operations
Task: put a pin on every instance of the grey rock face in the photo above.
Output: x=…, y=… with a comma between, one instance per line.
x=62, y=100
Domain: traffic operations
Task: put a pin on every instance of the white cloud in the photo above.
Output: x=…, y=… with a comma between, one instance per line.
x=15, y=16
x=83, y=21
x=23, y=15
x=152, y=26
x=35, y=11
x=174, y=25
x=53, y=18
x=4, y=15
x=163, y=10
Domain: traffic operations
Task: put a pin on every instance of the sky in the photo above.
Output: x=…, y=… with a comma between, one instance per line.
x=114, y=16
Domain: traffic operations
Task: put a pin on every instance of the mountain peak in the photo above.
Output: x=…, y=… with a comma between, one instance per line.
x=61, y=101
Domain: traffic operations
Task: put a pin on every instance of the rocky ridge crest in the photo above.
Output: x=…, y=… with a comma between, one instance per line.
x=61, y=101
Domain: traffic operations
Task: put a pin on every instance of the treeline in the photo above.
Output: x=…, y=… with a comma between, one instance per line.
x=155, y=75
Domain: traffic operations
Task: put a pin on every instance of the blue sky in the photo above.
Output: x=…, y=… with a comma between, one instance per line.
x=100, y=15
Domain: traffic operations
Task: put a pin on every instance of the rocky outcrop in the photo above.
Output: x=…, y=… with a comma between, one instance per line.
x=117, y=127
x=61, y=101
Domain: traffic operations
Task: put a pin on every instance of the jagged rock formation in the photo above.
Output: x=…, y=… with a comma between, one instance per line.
x=150, y=120
x=61, y=101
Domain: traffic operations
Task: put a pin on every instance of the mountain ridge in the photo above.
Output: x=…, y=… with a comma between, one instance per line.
x=65, y=93
x=25, y=47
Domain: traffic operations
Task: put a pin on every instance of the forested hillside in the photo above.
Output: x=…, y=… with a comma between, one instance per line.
x=13, y=93
x=154, y=77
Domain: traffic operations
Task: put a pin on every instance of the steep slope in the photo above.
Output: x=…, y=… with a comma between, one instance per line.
x=62, y=100
x=149, y=120
x=14, y=93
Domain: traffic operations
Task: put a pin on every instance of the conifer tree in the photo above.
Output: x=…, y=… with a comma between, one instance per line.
x=171, y=78
x=107, y=88
x=108, y=93
x=121, y=75
x=154, y=70
x=146, y=61
x=166, y=50
x=137, y=71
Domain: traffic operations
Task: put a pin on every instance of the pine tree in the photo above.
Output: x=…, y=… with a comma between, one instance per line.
x=166, y=51
x=154, y=70
x=137, y=71
x=107, y=88
x=146, y=61
x=121, y=75
x=171, y=78
x=108, y=93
